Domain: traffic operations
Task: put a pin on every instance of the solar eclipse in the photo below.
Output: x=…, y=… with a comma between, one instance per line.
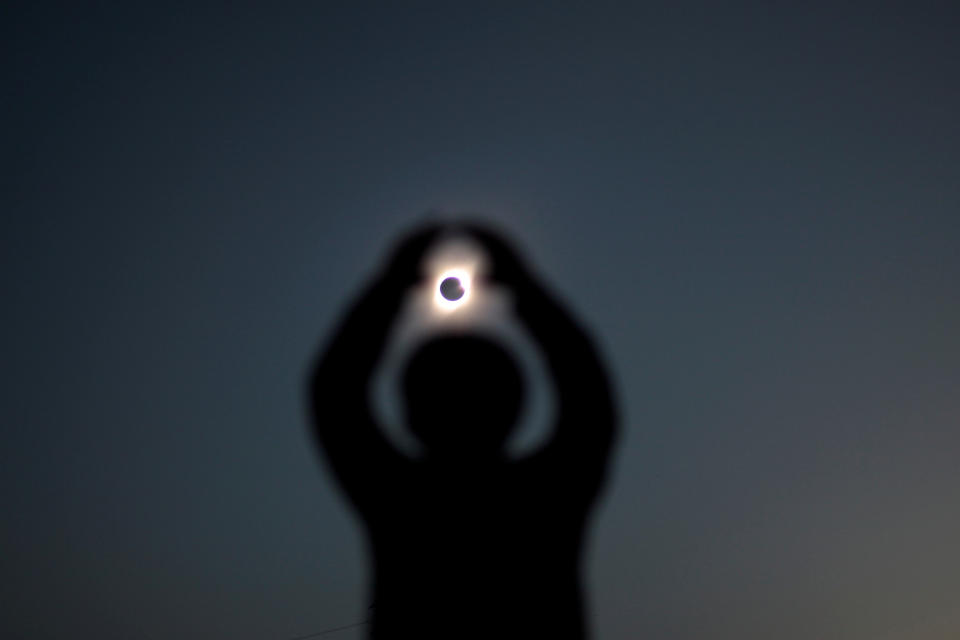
x=452, y=289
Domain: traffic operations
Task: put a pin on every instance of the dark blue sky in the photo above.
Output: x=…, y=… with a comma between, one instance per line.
x=753, y=206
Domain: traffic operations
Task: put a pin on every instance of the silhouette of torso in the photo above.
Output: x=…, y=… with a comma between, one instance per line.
x=477, y=550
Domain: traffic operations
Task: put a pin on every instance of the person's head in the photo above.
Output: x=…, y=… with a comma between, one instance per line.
x=463, y=395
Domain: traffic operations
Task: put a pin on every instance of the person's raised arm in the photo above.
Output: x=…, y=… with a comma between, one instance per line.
x=343, y=419
x=586, y=414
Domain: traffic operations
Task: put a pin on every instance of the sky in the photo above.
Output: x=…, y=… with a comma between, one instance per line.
x=752, y=206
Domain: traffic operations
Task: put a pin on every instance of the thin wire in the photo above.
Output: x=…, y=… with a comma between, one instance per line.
x=326, y=631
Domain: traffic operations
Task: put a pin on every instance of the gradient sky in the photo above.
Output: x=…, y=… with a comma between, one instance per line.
x=755, y=208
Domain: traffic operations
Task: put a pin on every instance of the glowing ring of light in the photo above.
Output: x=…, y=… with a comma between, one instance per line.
x=449, y=305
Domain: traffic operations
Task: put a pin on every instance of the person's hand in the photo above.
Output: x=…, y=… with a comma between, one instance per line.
x=506, y=266
x=404, y=265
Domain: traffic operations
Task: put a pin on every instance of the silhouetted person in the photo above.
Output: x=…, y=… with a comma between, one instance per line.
x=465, y=541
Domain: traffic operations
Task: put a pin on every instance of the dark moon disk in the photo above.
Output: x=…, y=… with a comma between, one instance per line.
x=451, y=289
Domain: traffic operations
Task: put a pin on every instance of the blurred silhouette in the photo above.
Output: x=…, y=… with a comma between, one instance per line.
x=465, y=541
